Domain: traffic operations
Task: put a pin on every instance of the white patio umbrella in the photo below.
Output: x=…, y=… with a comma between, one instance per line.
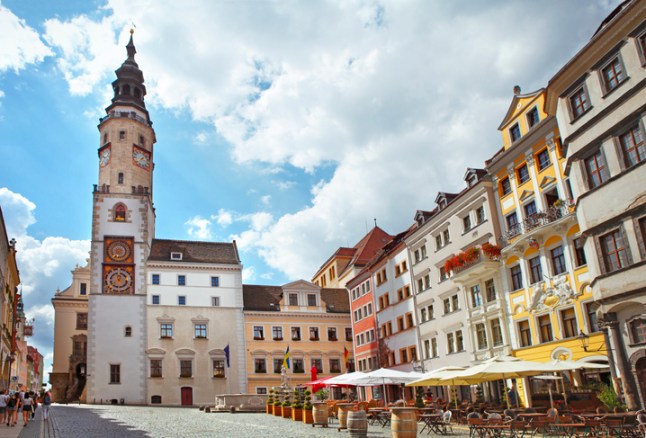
x=386, y=376
x=345, y=379
x=571, y=365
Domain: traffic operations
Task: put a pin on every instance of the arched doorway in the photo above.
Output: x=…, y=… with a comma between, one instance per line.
x=187, y=396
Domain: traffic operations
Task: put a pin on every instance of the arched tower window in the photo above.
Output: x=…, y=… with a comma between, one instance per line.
x=128, y=331
x=120, y=178
x=120, y=213
x=126, y=90
x=105, y=138
x=137, y=93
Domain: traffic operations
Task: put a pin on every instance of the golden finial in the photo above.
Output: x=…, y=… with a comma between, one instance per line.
x=132, y=31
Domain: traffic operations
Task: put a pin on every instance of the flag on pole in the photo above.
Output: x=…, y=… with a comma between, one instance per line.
x=346, y=353
x=226, y=354
x=286, y=359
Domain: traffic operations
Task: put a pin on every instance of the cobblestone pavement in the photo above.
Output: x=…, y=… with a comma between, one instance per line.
x=71, y=421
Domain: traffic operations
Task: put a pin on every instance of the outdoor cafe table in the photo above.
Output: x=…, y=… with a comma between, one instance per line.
x=434, y=423
x=530, y=415
x=374, y=414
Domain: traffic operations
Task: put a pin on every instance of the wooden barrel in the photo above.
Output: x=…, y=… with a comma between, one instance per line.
x=358, y=424
x=319, y=412
x=343, y=414
x=403, y=422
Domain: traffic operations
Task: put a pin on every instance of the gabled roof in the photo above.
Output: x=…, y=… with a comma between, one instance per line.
x=264, y=298
x=391, y=246
x=367, y=247
x=513, y=106
x=194, y=252
x=267, y=298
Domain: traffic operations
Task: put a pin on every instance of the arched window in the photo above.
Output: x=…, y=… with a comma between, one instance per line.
x=120, y=178
x=155, y=399
x=126, y=90
x=128, y=331
x=137, y=93
x=120, y=213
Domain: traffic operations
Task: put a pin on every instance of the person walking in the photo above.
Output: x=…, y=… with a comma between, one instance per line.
x=12, y=406
x=34, y=403
x=47, y=400
x=26, y=409
x=3, y=406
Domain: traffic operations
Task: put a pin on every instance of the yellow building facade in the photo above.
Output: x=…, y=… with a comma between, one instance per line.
x=313, y=322
x=545, y=267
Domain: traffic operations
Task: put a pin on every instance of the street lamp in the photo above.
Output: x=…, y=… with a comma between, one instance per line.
x=584, y=340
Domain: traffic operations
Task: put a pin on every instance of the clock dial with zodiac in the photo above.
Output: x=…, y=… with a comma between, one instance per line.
x=104, y=156
x=119, y=251
x=118, y=280
x=141, y=157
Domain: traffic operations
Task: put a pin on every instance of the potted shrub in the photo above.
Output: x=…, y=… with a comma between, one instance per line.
x=321, y=395
x=297, y=406
x=270, y=402
x=307, y=408
x=287, y=407
x=419, y=397
x=278, y=405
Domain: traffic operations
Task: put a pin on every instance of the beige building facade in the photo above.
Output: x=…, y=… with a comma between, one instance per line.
x=69, y=368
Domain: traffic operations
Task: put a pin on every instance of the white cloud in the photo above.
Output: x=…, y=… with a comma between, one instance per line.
x=201, y=137
x=44, y=265
x=248, y=274
x=199, y=228
x=266, y=199
x=19, y=44
x=223, y=218
x=398, y=98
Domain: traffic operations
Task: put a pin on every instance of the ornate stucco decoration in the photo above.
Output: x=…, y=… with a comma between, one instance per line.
x=547, y=297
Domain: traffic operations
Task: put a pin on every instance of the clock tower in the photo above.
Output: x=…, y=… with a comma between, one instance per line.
x=123, y=226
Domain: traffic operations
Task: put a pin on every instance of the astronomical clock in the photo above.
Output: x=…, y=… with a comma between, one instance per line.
x=118, y=266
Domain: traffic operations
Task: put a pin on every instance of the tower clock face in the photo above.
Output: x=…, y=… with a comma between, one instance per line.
x=118, y=280
x=119, y=251
x=141, y=157
x=104, y=156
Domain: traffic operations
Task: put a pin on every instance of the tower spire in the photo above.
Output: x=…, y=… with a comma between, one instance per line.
x=131, y=48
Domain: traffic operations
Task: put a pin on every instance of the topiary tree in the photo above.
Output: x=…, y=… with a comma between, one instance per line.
x=308, y=401
x=297, y=403
x=270, y=399
x=288, y=402
x=277, y=399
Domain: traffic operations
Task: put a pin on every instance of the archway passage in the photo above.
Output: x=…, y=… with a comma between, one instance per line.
x=187, y=396
x=640, y=372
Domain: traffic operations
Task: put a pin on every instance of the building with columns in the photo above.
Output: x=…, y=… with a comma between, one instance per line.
x=545, y=273
x=599, y=100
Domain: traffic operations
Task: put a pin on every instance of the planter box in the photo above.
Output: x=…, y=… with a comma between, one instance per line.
x=278, y=411
x=287, y=412
x=297, y=414
x=307, y=417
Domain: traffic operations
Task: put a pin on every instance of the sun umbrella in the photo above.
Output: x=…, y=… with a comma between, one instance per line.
x=346, y=379
x=433, y=377
x=571, y=365
x=318, y=384
x=497, y=368
x=386, y=376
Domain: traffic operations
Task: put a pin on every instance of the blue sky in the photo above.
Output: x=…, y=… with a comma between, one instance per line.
x=285, y=125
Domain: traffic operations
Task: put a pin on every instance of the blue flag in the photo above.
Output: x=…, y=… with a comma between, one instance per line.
x=226, y=354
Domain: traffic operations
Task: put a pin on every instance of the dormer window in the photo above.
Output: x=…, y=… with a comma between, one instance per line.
x=176, y=256
x=514, y=132
x=532, y=117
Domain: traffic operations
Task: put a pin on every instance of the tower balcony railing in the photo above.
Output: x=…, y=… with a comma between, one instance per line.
x=538, y=219
x=126, y=115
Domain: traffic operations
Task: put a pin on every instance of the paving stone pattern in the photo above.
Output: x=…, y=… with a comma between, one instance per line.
x=98, y=421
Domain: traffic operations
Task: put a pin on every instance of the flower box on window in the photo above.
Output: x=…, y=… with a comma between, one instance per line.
x=333, y=338
x=314, y=338
x=277, y=338
x=258, y=338
x=296, y=338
